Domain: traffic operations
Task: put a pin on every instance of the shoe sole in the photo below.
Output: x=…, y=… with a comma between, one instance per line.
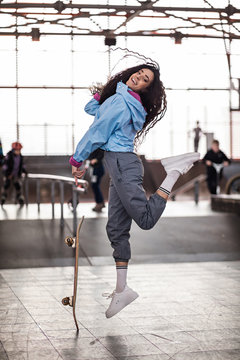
x=178, y=168
x=172, y=159
x=183, y=168
x=180, y=161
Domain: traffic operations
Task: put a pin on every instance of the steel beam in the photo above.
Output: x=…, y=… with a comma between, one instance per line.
x=136, y=33
x=126, y=8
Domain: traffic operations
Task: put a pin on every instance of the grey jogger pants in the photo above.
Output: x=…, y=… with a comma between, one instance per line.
x=127, y=201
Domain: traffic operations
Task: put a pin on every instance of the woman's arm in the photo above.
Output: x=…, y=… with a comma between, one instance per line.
x=93, y=105
x=114, y=112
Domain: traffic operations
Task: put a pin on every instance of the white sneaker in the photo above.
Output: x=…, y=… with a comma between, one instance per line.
x=120, y=301
x=181, y=163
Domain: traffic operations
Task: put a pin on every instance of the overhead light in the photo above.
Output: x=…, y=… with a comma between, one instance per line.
x=35, y=33
x=110, y=41
x=178, y=37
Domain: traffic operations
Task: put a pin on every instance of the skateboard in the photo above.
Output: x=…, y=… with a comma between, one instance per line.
x=74, y=243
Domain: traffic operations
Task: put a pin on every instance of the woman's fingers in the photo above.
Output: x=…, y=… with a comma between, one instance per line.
x=74, y=169
x=78, y=173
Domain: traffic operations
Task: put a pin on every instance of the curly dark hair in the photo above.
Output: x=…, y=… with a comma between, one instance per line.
x=153, y=98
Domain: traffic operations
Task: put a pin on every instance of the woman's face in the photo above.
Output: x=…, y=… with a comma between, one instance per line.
x=140, y=80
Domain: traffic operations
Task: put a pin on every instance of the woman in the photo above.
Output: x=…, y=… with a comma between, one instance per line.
x=130, y=104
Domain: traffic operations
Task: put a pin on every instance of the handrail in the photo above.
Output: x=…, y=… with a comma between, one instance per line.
x=81, y=187
x=70, y=180
x=188, y=185
x=193, y=183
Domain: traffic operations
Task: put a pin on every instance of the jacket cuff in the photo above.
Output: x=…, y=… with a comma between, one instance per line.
x=73, y=162
x=96, y=96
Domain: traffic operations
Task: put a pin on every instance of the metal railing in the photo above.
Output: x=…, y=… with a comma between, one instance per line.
x=192, y=184
x=60, y=180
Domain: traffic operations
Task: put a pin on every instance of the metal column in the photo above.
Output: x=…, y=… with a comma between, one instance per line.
x=61, y=201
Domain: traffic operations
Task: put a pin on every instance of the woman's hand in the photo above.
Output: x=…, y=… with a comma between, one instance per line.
x=208, y=163
x=78, y=174
x=93, y=161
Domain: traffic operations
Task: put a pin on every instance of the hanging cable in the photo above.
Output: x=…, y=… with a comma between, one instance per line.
x=17, y=95
x=227, y=50
x=109, y=47
x=126, y=28
x=72, y=80
x=228, y=55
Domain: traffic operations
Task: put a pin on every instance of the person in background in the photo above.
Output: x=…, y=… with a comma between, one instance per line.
x=96, y=174
x=13, y=167
x=1, y=154
x=214, y=156
x=197, y=135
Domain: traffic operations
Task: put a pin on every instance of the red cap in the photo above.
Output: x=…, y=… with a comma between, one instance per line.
x=16, y=145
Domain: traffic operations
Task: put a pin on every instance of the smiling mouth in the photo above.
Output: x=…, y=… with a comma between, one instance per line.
x=134, y=81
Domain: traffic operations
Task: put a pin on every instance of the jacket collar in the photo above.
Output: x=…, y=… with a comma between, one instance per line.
x=123, y=90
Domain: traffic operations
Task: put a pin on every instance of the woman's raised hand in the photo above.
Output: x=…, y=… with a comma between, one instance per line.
x=77, y=173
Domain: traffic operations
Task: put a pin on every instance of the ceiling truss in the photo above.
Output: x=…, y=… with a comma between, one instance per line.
x=60, y=18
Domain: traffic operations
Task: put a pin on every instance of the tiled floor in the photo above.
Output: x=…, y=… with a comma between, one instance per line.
x=186, y=311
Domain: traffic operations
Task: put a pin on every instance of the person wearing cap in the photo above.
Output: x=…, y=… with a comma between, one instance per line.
x=13, y=167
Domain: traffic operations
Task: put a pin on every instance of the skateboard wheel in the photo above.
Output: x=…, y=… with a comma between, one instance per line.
x=70, y=241
x=67, y=301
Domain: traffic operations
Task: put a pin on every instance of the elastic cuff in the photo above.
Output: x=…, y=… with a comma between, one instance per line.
x=73, y=162
x=96, y=96
x=122, y=260
x=164, y=190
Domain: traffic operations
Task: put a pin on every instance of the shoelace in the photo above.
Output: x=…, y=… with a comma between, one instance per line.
x=108, y=295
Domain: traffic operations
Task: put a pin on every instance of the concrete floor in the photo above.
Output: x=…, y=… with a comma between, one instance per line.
x=185, y=311
x=189, y=303
x=185, y=233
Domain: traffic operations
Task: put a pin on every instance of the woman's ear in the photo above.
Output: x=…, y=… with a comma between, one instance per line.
x=144, y=91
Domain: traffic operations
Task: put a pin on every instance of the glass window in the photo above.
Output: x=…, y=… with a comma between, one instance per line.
x=51, y=115
x=7, y=67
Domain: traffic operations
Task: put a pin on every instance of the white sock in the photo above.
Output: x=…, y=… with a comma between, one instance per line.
x=169, y=181
x=121, y=277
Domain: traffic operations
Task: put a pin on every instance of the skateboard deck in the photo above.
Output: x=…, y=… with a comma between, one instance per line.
x=74, y=243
